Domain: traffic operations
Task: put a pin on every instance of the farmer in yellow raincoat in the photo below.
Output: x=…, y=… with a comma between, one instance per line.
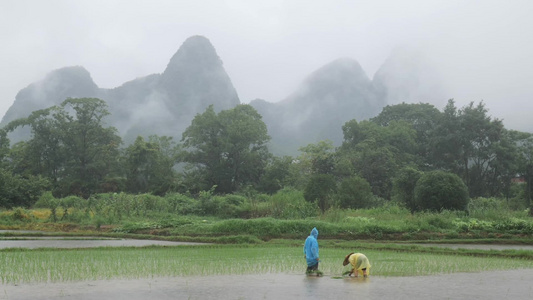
x=359, y=263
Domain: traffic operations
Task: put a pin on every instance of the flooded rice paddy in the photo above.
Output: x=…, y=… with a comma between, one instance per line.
x=513, y=284
x=510, y=284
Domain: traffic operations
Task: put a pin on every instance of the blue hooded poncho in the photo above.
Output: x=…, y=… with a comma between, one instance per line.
x=311, y=248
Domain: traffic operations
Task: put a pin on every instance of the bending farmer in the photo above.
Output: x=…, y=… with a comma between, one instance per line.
x=359, y=263
x=311, y=251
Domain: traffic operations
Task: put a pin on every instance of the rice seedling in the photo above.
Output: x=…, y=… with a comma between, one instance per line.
x=52, y=265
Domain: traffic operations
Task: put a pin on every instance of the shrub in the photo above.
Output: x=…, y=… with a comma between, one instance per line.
x=231, y=206
x=354, y=192
x=47, y=200
x=290, y=204
x=488, y=208
x=403, y=187
x=319, y=190
x=16, y=190
x=514, y=225
x=19, y=214
x=438, y=190
x=182, y=204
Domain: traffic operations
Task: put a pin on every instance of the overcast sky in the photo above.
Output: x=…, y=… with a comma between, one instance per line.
x=483, y=49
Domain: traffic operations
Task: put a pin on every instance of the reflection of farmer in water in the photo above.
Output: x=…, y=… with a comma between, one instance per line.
x=311, y=252
x=359, y=263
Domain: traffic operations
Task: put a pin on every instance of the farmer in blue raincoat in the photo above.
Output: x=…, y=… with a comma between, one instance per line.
x=311, y=252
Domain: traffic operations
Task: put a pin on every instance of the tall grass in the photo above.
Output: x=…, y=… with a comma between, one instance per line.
x=47, y=265
x=284, y=214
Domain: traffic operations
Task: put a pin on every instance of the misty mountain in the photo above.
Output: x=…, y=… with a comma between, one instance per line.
x=162, y=104
x=57, y=86
x=166, y=103
x=332, y=95
x=408, y=76
x=341, y=91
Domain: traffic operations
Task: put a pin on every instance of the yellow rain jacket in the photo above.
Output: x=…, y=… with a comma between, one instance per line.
x=359, y=262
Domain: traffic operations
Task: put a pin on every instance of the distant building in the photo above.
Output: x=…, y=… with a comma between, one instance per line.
x=518, y=179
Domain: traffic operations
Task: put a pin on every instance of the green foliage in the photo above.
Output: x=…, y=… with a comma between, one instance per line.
x=285, y=214
x=19, y=214
x=276, y=175
x=149, y=165
x=354, y=192
x=514, y=225
x=468, y=142
x=432, y=222
x=231, y=206
x=518, y=196
x=378, y=166
x=228, y=150
x=267, y=228
x=376, y=152
x=438, y=190
x=403, y=187
x=510, y=225
x=16, y=190
x=319, y=157
x=423, y=117
x=69, y=146
x=320, y=190
x=41, y=267
x=488, y=208
x=47, y=200
x=291, y=204
x=182, y=204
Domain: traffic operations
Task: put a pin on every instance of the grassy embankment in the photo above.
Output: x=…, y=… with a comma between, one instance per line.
x=236, y=219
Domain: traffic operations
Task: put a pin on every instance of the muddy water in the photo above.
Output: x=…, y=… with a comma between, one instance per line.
x=54, y=242
x=514, y=284
x=481, y=246
x=90, y=242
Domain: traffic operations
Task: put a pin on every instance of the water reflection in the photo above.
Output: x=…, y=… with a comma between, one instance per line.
x=514, y=284
x=54, y=242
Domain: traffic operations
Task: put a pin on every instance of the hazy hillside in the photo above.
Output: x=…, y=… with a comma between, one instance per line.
x=407, y=76
x=162, y=104
x=330, y=96
x=165, y=104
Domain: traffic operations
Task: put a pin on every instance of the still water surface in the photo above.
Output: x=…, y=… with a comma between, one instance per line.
x=55, y=242
x=514, y=284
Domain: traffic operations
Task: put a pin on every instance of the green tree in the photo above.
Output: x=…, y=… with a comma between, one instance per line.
x=16, y=190
x=43, y=153
x=93, y=150
x=403, y=187
x=149, y=165
x=320, y=157
x=423, y=118
x=276, y=176
x=354, y=192
x=471, y=144
x=525, y=164
x=376, y=152
x=70, y=146
x=228, y=149
x=438, y=190
x=320, y=190
x=4, y=146
x=446, y=144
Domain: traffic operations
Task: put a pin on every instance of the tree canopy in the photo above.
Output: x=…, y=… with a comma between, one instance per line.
x=228, y=149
